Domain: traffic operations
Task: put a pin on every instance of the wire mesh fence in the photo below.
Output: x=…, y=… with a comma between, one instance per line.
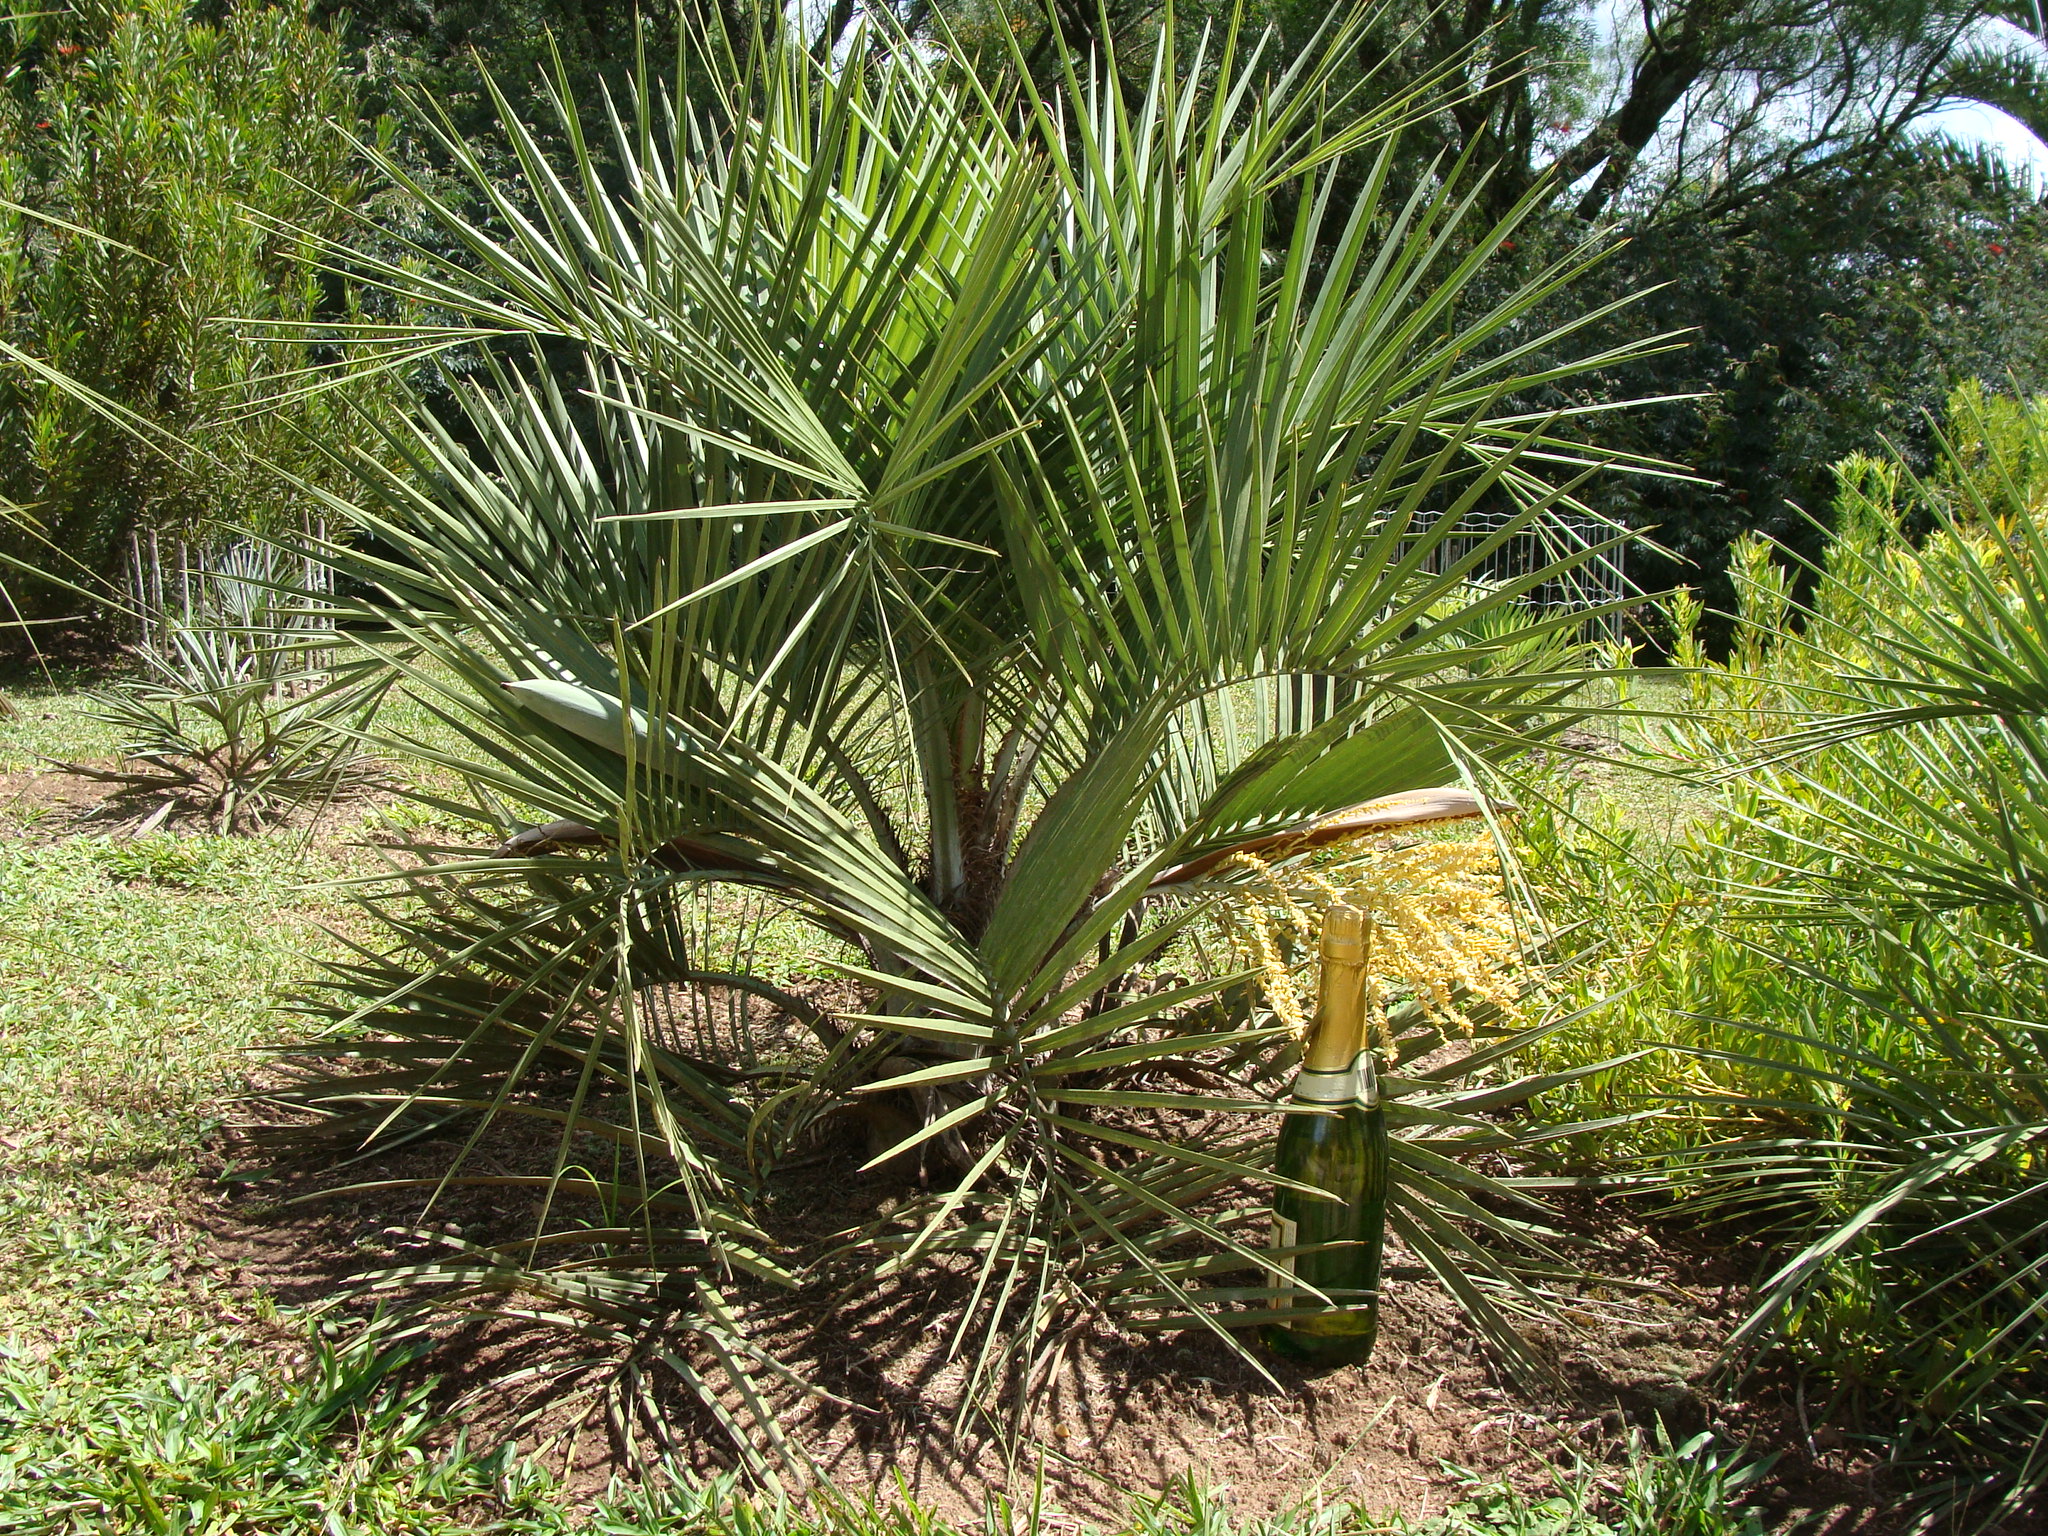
x=271, y=595
x=1594, y=582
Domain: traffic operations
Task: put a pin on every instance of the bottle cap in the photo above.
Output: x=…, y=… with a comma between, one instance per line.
x=1344, y=934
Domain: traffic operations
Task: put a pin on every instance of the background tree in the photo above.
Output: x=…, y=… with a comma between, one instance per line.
x=1671, y=108
x=1830, y=315
x=443, y=49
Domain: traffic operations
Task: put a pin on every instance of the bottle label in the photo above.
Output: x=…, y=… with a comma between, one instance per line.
x=1368, y=1071
x=1285, y=1234
x=1326, y=1087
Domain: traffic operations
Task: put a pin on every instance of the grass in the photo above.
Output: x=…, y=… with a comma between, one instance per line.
x=48, y=716
x=133, y=975
x=140, y=1421
x=1662, y=1489
x=138, y=1393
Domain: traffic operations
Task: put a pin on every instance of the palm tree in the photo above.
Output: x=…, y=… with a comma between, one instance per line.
x=944, y=521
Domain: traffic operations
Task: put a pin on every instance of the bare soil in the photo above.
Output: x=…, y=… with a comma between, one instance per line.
x=45, y=805
x=1128, y=1413
x=48, y=805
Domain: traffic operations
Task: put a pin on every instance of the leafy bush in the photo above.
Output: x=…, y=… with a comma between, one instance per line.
x=161, y=181
x=1853, y=956
x=981, y=519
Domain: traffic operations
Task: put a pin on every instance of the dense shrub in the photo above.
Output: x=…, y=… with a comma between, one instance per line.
x=162, y=175
x=1849, y=946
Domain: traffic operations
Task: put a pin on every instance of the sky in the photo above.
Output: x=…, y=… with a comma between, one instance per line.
x=1974, y=124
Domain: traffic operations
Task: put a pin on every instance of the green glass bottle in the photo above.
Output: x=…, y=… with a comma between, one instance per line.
x=1344, y=1153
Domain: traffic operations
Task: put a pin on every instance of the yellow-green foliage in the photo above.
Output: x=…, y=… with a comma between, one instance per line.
x=2000, y=447
x=1847, y=954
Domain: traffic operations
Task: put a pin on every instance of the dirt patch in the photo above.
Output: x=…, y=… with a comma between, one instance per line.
x=46, y=805
x=49, y=805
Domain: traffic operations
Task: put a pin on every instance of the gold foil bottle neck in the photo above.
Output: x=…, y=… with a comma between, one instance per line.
x=1340, y=1016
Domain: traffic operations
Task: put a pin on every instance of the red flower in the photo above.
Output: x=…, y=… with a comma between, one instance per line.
x=1506, y=245
x=1995, y=248
x=66, y=50
x=44, y=123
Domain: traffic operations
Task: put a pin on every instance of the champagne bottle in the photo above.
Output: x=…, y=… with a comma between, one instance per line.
x=1344, y=1153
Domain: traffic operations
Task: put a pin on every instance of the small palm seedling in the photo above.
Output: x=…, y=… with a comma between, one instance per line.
x=228, y=721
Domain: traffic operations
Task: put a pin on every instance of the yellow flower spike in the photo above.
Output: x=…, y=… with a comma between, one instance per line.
x=1275, y=980
x=1303, y=924
x=1442, y=929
